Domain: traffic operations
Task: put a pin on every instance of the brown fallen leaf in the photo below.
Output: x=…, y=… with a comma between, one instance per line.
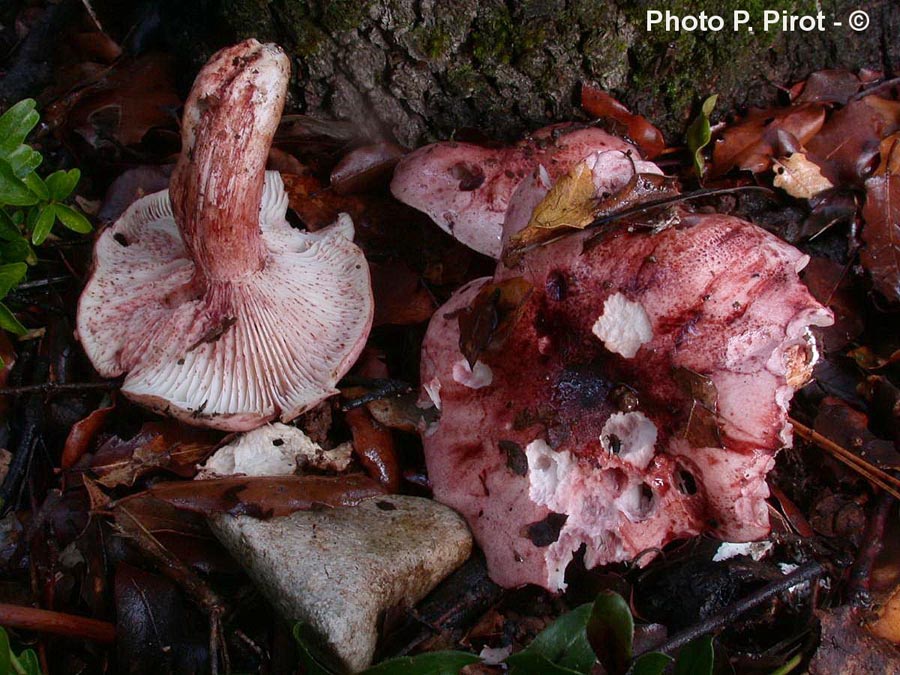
x=366, y=168
x=262, y=497
x=831, y=284
x=317, y=205
x=570, y=202
x=82, y=434
x=881, y=234
x=799, y=177
x=165, y=446
x=848, y=648
x=847, y=147
x=400, y=297
x=487, y=322
x=373, y=445
x=826, y=86
x=597, y=103
x=750, y=144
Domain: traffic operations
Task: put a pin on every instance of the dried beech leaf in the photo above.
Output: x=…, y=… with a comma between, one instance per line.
x=828, y=86
x=366, y=168
x=702, y=427
x=263, y=497
x=750, y=144
x=486, y=323
x=799, y=177
x=570, y=202
x=881, y=234
x=637, y=128
x=82, y=434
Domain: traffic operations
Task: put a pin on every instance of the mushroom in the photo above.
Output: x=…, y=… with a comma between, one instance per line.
x=216, y=309
x=467, y=188
x=638, y=395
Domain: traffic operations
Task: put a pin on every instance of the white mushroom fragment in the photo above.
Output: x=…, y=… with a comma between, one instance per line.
x=215, y=308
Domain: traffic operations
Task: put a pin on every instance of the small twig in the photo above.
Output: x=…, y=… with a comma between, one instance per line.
x=876, y=88
x=379, y=389
x=872, y=543
x=728, y=614
x=45, y=621
x=872, y=473
x=54, y=388
x=42, y=283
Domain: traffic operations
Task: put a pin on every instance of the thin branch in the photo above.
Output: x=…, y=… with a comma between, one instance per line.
x=45, y=621
x=872, y=473
x=55, y=388
x=727, y=615
x=872, y=543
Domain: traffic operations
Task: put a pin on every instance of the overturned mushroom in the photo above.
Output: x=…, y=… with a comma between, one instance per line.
x=639, y=397
x=467, y=189
x=219, y=312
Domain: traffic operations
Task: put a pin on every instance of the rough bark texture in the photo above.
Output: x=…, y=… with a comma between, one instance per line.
x=420, y=69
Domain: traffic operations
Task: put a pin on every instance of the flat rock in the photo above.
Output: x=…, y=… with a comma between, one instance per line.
x=337, y=570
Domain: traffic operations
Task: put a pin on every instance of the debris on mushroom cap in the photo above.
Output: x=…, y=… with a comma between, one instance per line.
x=579, y=445
x=219, y=312
x=466, y=188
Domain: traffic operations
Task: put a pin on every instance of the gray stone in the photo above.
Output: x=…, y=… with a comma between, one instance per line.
x=339, y=569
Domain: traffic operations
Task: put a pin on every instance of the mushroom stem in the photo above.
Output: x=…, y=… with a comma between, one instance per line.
x=230, y=118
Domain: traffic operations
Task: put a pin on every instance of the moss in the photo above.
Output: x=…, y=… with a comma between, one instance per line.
x=306, y=36
x=344, y=15
x=248, y=18
x=431, y=42
x=493, y=37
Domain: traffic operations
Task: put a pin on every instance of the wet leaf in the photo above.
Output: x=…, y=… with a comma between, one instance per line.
x=847, y=147
x=849, y=428
x=131, y=186
x=432, y=663
x=373, y=445
x=263, y=497
x=847, y=647
x=403, y=412
x=316, y=206
x=165, y=446
x=699, y=134
x=366, y=168
x=702, y=426
x=563, y=645
x=696, y=658
x=487, y=322
x=751, y=143
x=830, y=283
x=597, y=103
x=400, y=297
x=881, y=234
x=314, y=659
x=799, y=177
x=82, y=434
x=652, y=663
x=570, y=202
x=610, y=631
x=829, y=86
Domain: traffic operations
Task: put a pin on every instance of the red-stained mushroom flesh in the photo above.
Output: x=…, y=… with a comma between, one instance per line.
x=217, y=311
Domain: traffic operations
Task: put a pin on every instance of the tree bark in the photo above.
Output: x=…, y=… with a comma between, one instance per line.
x=421, y=69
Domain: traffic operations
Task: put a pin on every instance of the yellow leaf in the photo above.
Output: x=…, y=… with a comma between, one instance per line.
x=570, y=202
x=799, y=177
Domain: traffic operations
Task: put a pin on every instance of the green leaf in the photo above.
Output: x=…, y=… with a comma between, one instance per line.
x=8, y=321
x=9, y=231
x=29, y=662
x=610, y=630
x=10, y=276
x=12, y=190
x=563, y=643
x=43, y=224
x=16, y=123
x=696, y=658
x=433, y=663
x=61, y=183
x=314, y=659
x=535, y=664
x=699, y=134
x=36, y=184
x=651, y=663
x=17, y=251
x=24, y=160
x=4, y=652
x=72, y=219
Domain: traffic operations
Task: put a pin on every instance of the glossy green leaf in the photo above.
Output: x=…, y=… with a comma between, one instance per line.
x=8, y=321
x=61, y=183
x=12, y=190
x=43, y=223
x=17, y=251
x=16, y=123
x=651, y=663
x=24, y=160
x=696, y=658
x=9, y=231
x=10, y=276
x=4, y=652
x=535, y=664
x=37, y=186
x=564, y=643
x=699, y=134
x=29, y=662
x=432, y=663
x=72, y=219
x=610, y=630
x=313, y=658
